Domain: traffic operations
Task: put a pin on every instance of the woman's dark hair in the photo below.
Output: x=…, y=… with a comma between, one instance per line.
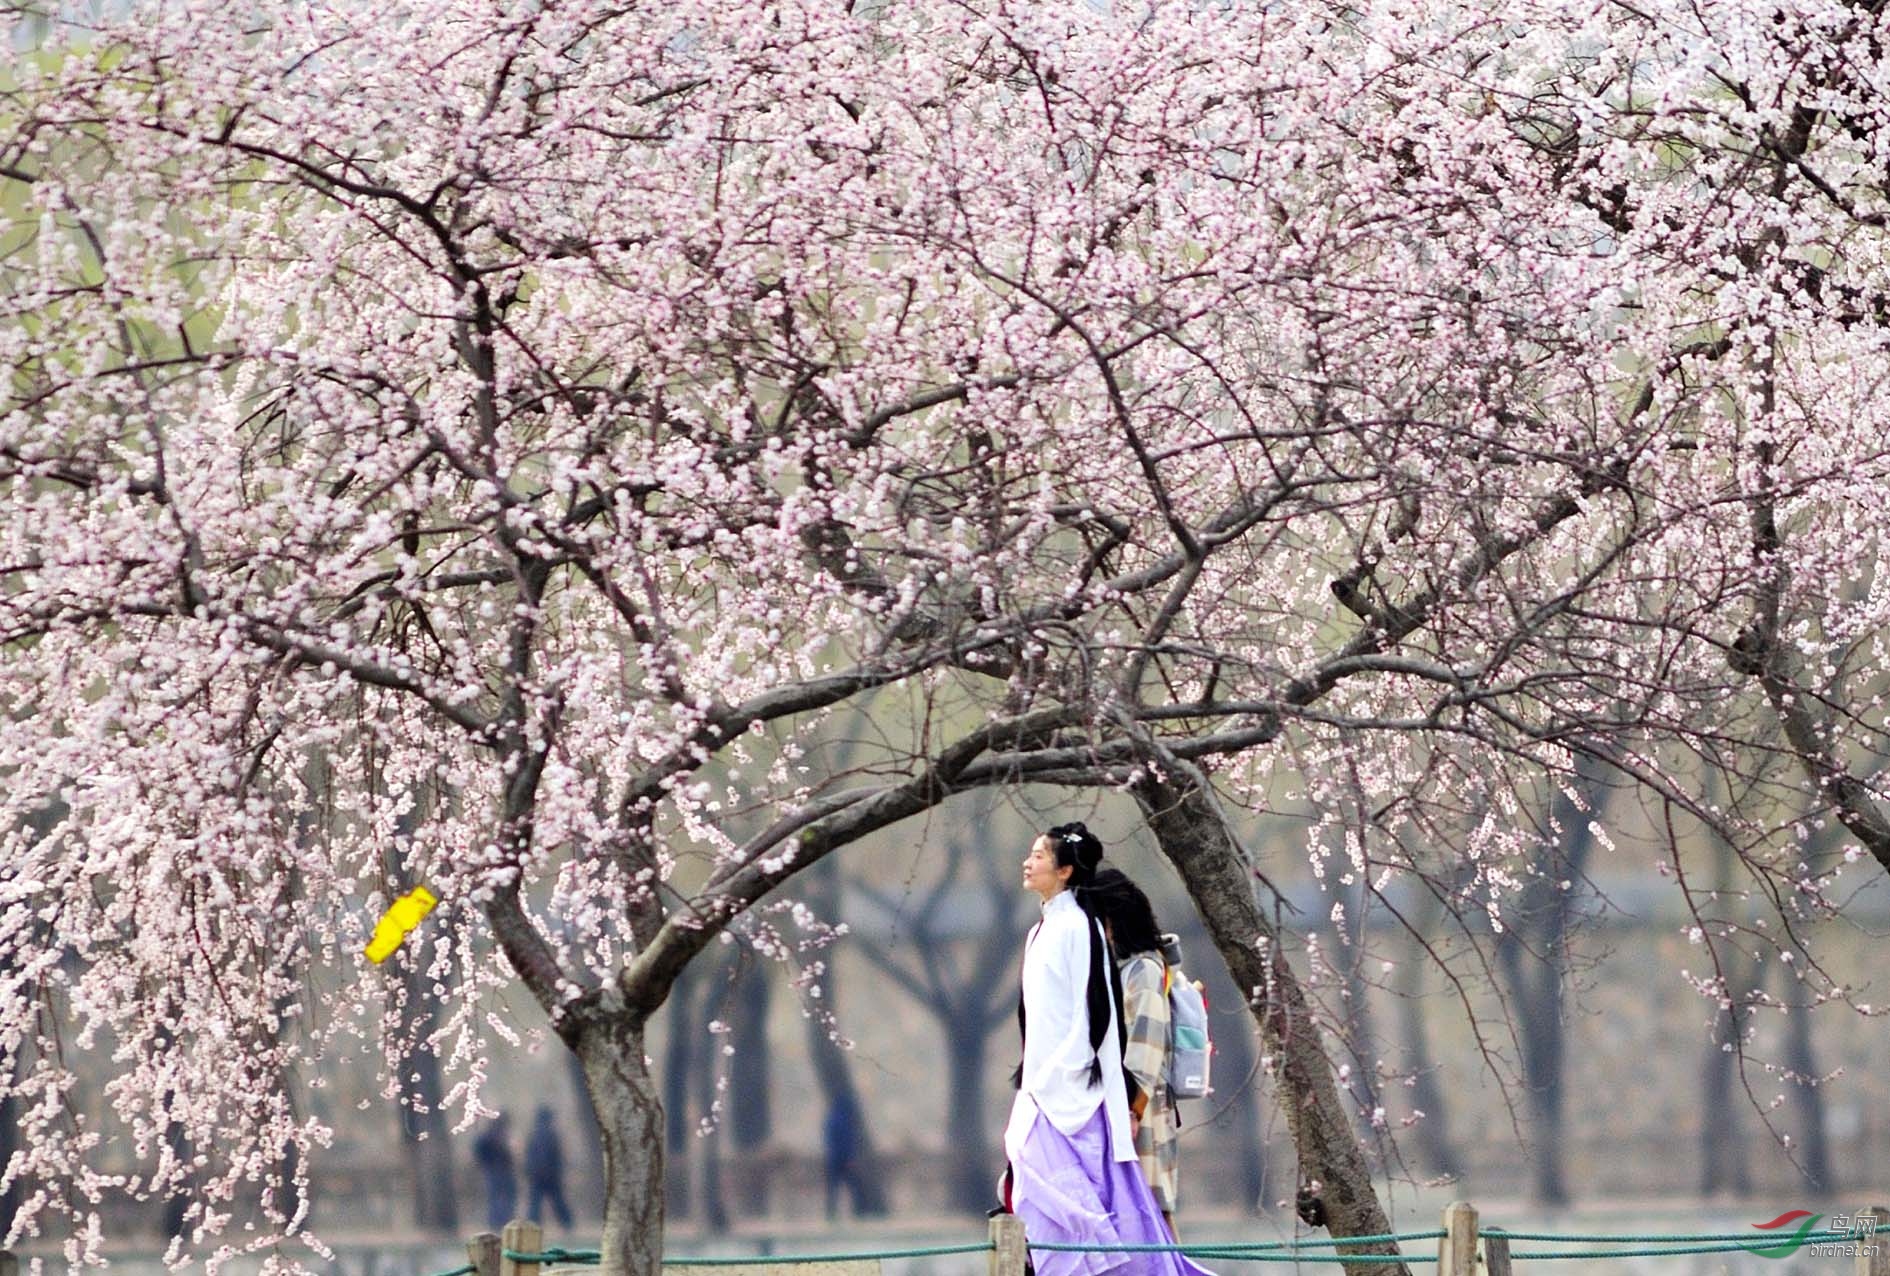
x=1078, y=849
x=1126, y=911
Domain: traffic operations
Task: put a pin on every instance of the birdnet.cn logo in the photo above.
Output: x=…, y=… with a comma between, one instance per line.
x=1843, y=1236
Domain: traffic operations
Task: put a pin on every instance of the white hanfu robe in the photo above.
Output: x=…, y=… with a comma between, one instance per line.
x=1057, y=1052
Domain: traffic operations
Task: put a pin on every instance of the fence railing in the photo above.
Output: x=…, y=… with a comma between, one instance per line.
x=1463, y=1248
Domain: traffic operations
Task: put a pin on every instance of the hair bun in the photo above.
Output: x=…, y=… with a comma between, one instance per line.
x=1084, y=847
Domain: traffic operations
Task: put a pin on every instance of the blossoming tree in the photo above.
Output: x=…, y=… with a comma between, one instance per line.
x=480, y=444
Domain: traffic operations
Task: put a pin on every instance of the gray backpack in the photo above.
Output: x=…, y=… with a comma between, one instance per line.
x=1190, y=1053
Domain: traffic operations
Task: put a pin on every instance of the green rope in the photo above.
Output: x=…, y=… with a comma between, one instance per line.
x=1723, y=1248
x=1762, y=1241
x=928, y=1251
x=1280, y=1256
x=1215, y=1248
x=1296, y=1256
x=1701, y=1243
x=1233, y=1251
x=554, y=1255
x=592, y=1256
x=1222, y=1254
x=1269, y=1251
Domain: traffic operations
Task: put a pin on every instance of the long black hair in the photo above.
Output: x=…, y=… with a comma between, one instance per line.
x=1078, y=849
x=1125, y=910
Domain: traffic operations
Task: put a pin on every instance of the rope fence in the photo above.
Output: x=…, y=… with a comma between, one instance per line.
x=1215, y=1247
x=926, y=1251
x=1462, y=1248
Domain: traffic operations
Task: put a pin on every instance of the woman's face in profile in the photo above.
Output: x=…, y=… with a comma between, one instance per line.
x=1041, y=873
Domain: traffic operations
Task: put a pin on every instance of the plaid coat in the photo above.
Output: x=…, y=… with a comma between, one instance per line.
x=1145, y=1010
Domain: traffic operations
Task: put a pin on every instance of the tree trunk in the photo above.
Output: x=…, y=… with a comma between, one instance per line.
x=1360, y=1036
x=1802, y=1060
x=974, y=1178
x=1536, y=993
x=290, y=1164
x=750, y=1114
x=1722, y=1138
x=9, y=1147
x=630, y=1119
x=424, y=1135
x=1546, y=1031
x=10, y=1116
x=177, y=1202
x=1432, y=1133
x=429, y=1153
x=708, y=1067
x=587, y=1185
x=1801, y=1056
x=1219, y=881
x=677, y=1070
x=1544, y=914
x=1544, y=1055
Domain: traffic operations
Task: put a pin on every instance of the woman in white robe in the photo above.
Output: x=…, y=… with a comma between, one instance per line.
x=1074, y=1177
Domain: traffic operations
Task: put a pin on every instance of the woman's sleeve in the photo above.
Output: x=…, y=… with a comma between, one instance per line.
x=1145, y=1010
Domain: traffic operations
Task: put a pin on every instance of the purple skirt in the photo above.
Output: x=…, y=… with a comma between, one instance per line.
x=1070, y=1189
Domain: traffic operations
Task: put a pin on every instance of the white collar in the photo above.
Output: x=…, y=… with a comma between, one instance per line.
x=1065, y=898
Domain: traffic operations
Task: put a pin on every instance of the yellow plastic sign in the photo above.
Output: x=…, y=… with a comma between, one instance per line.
x=398, y=921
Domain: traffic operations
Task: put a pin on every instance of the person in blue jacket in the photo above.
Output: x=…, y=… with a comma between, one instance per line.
x=492, y=1153
x=544, y=1170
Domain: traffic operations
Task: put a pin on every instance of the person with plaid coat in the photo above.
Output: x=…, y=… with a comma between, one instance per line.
x=1143, y=954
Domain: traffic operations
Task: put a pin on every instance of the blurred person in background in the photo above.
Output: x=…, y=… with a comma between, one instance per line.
x=492, y=1153
x=841, y=1137
x=544, y=1169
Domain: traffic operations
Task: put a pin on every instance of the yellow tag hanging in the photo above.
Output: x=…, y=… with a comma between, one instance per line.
x=398, y=922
